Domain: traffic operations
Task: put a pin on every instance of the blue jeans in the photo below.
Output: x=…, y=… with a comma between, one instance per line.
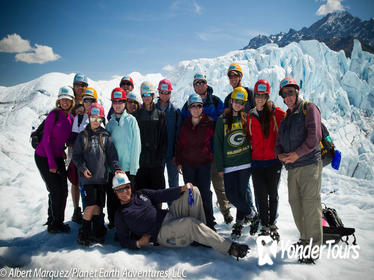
x=238, y=192
x=173, y=175
x=199, y=176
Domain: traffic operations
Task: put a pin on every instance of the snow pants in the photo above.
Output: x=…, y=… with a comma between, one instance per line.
x=150, y=178
x=265, y=184
x=57, y=187
x=185, y=224
x=219, y=189
x=199, y=176
x=304, y=196
x=238, y=191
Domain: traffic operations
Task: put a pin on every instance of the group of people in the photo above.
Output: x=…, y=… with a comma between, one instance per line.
x=206, y=141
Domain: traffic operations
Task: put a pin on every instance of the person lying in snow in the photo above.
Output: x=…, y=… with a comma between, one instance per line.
x=139, y=221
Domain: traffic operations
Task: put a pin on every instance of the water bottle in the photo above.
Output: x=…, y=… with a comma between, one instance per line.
x=190, y=197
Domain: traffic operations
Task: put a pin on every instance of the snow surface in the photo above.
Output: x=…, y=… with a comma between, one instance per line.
x=342, y=88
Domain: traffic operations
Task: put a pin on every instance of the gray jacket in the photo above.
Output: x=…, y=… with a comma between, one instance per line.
x=95, y=155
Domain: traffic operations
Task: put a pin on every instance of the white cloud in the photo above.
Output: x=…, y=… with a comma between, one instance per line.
x=197, y=8
x=168, y=68
x=329, y=7
x=13, y=43
x=185, y=7
x=40, y=54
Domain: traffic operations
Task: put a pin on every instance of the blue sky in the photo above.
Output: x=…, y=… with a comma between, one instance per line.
x=105, y=38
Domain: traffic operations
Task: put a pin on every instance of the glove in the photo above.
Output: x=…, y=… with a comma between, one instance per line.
x=336, y=160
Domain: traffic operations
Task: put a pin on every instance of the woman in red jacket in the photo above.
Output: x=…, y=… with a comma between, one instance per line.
x=194, y=152
x=262, y=123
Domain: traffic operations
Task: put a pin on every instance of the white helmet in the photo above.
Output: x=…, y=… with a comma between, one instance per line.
x=119, y=180
x=65, y=92
x=147, y=87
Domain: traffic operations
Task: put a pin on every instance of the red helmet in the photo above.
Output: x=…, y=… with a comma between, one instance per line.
x=118, y=94
x=126, y=79
x=286, y=82
x=97, y=110
x=165, y=84
x=262, y=86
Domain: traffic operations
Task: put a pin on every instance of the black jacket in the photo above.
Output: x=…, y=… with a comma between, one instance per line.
x=153, y=134
x=95, y=156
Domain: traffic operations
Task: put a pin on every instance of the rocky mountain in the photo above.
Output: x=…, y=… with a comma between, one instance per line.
x=336, y=30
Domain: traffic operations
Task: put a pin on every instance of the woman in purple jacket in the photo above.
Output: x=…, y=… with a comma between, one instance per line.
x=49, y=158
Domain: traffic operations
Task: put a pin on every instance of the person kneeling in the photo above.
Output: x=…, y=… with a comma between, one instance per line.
x=139, y=221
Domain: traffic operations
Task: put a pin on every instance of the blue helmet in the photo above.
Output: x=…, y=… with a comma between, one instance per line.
x=194, y=98
x=80, y=78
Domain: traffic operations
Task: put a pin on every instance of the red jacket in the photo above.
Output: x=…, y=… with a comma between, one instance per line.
x=263, y=148
x=194, y=144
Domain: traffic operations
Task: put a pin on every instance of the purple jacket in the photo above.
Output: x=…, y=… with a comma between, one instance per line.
x=55, y=136
x=140, y=216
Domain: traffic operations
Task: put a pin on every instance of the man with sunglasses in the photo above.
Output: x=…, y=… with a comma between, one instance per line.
x=171, y=116
x=127, y=84
x=125, y=134
x=139, y=222
x=298, y=147
x=153, y=136
x=213, y=107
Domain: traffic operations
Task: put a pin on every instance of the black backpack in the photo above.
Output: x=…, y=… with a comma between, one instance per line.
x=333, y=227
x=327, y=146
x=37, y=135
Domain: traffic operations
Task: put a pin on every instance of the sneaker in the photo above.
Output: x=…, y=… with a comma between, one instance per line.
x=238, y=250
x=228, y=218
x=253, y=227
x=264, y=231
x=83, y=238
x=236, y=230
x=274, y=233
x=77, y=216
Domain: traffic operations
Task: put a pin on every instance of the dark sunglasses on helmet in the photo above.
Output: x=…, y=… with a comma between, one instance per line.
x=121, y=190
x=89, y=100
x=165, y=92
x=126, y=84
x=80, y=85
x=147, y=94
x=261, y=95
x=288, y=92
x=132, y=102
x=96, y=119
x=240, y=102
x=233, y=75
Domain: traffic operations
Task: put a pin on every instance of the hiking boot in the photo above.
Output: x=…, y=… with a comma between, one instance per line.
x=236, y=231
x=58, y=228
x=253, y=227
x=238, y=250
x=228, y=218
x=77, y=216
x=99, y=230
x=274, y=233
x=264, y=231
x=83, y=238
x=307, y=260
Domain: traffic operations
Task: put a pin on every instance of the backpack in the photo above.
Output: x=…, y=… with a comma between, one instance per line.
x=327, y=146
x=101, y=141
x=333, y=227
x=37, y=135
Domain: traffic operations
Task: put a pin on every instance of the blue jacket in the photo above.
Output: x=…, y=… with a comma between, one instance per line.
x=172, y=115
x=213, y=107
x=140, y=216
x=125, y=135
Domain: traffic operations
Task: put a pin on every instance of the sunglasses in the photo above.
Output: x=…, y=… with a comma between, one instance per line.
x=240, y=102
x=165, y=92
x=284, y=93
x=126, y=84
x=132, y=102
x=80, y=85
x=199, y=83
x=96, y=119
x=232, y=76
x=196, y=106
x=147, y=94
x=259, y=95
x=118, y=101
x=121, y=190
x=89, y=100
